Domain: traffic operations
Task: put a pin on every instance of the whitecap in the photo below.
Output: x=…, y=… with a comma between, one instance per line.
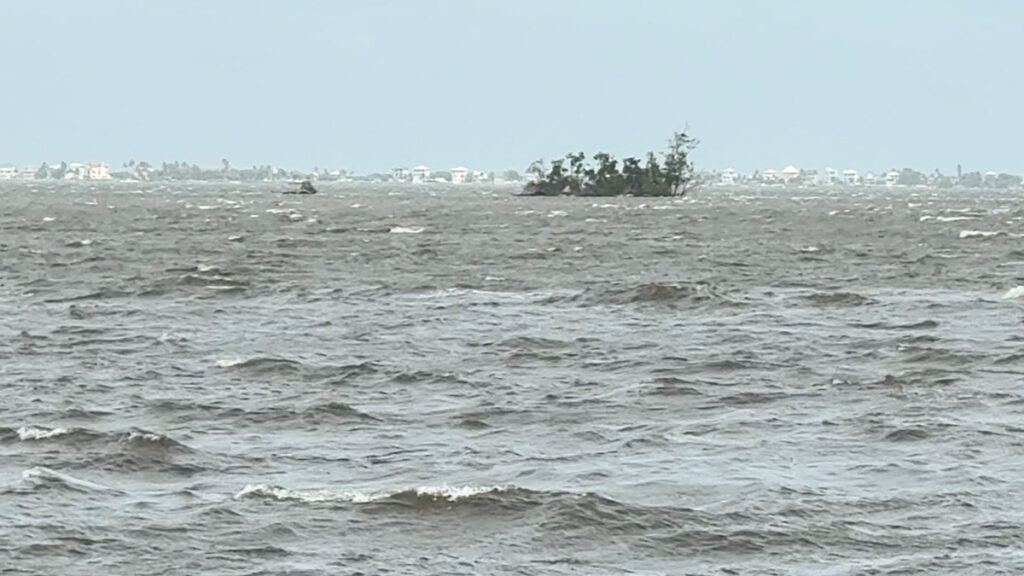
x=41, y=475
x=449, y=493
x=147, y=436
x=406, y=230
x=1014, y=293
x=26, y=433
x=229, y=362
x=977, y=234
x=48, y=219
x=457, y=492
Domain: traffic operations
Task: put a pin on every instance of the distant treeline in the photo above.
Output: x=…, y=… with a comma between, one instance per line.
x=671, y=175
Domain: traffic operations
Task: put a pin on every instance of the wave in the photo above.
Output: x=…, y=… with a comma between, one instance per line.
x=134, y=449
x=406, y=230
x=260, y=365
x=135, y=437
x=425, y=495
x=1014, y=293
x=947, y=218
x=964, y=234
x=27, y=433
x=328, y=413
x=44, y=477
x=651, y=293
x=839, y=299
x=922, y=325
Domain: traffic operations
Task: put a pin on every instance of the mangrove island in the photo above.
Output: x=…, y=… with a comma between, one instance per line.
x=671, y=175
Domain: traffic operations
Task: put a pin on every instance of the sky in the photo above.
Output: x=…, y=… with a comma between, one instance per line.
x=369, y=85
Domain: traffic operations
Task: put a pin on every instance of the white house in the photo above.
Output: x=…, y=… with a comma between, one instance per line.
x=809, y=178
x=790, y=173
x=27, y=174
x=770, y=176
x=98, y=171
x=729, y=177
x=831, y=177
x=850, y=177
x=8, y=172
x=869, y=179
x=892, y=178
x=459, y=174
x=420, y=174
x=75, y=171
x=400, y=175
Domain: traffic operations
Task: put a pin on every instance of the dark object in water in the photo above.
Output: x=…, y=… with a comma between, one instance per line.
x=305, y=188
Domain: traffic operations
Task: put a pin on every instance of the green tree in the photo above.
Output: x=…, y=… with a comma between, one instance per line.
x=1005, y=180
x=911, y=177
x=972, y=180
x=679, y=172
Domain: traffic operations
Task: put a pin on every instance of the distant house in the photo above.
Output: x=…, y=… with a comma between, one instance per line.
x=400, y=175
x=420, y=174
x=869, y=179
x=892, y=178
x=850, y=177
x=8, y=172
x=729, y=177
x=75, y=171
x=831, y=177
x=98, y=171
x=27, y=174
x=790, y=173
x=809, y=177
x=770, y=176
x=459, y=174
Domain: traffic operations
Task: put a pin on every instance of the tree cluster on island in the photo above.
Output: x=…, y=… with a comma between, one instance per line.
x=671, y=175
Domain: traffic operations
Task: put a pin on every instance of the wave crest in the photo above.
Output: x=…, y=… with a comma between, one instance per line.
x=422, y=496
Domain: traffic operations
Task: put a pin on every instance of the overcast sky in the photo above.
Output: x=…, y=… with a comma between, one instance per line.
x=370, y=85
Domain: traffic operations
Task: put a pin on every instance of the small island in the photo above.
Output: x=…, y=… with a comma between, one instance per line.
x=671, y=175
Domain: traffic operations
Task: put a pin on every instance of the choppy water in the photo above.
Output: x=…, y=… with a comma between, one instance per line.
x=200, y=379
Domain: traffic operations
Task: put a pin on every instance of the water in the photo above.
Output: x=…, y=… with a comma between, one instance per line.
x=217, y=379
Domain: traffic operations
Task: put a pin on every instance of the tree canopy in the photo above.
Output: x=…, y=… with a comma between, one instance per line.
x=672, y=174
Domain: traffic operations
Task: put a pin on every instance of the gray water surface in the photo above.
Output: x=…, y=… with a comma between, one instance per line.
x=218, y=379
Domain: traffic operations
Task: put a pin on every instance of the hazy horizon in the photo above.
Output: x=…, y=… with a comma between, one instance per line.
x=491, y=85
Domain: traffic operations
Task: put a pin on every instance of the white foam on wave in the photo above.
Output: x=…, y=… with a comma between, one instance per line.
x=147, y=436
x=1014, y=293
x=449, y=493
x=41, y=474
x=964, y=234
x=406, y=230
x=229, y=362
x=946, y=218
x=27, y=433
